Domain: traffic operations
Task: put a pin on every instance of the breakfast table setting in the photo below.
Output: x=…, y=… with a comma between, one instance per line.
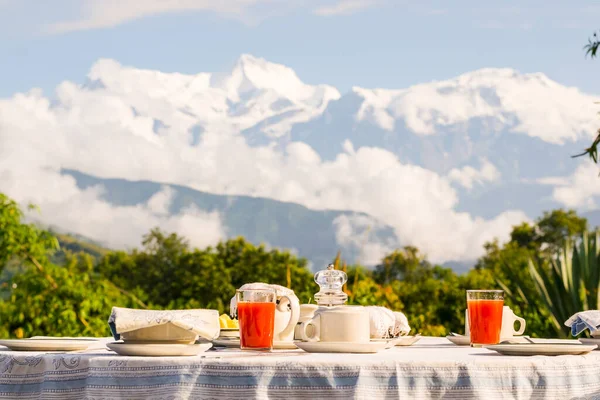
x=272, y=347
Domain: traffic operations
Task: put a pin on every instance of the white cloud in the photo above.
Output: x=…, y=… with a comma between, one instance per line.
x=160, y=202
x=99, y=14
x=529, y=104
x=358, y=232
x=578, y=190
x=96, y=14
x=98, y=132
x=345, y=7
x=468, y=176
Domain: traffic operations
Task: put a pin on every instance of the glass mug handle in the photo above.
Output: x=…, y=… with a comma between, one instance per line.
x=315, y=323
x=521, y=325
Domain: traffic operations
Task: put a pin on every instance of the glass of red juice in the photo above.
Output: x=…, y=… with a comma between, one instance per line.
x=256, y=315
x=485, y=316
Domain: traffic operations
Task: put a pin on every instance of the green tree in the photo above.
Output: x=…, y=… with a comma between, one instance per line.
x=166, y=273
x=71, y=303
x=40, y=298
x=20, y=242
x=404, y=265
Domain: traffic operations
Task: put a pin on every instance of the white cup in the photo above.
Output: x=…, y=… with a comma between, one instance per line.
x=337, y=324
x=508, y=324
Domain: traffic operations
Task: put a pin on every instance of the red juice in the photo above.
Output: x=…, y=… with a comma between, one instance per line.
x=257, y=322
x=485, y=320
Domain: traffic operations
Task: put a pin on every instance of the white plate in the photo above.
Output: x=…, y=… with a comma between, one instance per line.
x=55, y=344
x=462, y=340
x=407, y=340
x=459, y=340
x=343, y=347
x=540, y=349
x=157, y=350
x=232, y=342
x=592, y=341
x=229, y=332
x=390, y=342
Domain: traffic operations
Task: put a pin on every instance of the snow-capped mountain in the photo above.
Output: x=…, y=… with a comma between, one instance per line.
x=254, y=92
x=444, y=165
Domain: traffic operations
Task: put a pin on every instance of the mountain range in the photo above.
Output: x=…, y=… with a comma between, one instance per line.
x=254, y=151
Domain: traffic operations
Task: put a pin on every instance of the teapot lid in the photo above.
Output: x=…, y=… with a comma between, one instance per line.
x=331, y=281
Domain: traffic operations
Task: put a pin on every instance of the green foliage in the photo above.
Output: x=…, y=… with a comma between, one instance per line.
x=79, y=305
x=24, y=242
x=73, y=244
x=592, y=47
x=166, y=273
x=549, y=233
x=570, y=282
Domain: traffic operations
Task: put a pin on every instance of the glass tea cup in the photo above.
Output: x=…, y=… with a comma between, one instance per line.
x=256, y=316
x=485, y=316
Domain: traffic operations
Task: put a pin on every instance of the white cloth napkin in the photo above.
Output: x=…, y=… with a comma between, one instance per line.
x=202, y=322
x=281, y=291
x=385, y=322
x=584, y=320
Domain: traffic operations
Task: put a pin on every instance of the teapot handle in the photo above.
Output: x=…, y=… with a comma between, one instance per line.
x=294, y=315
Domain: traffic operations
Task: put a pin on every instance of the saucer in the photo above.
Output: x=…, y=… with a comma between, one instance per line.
x=407, y=340
x=389, y=342
x=463, y=340
x=229, y=332
x=157, y=350
x=343, y=347
x=459, y=340
x=235, y=342
x=54, y=344
x=541, y=349
x=591, y=341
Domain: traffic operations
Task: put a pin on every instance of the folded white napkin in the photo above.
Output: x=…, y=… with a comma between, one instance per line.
x=384, y=322
x=202, y=322
x=584, y=320
x=281, y=291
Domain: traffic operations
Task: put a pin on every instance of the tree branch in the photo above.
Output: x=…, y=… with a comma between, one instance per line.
x=41, y=269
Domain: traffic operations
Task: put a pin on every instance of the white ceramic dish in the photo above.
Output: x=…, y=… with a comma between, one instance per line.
x=390, y=342
x=462, y=340
x=233, y=342
x=344, y=347
x=541, y=349
x=591, y=341
x=407, y=340
x=55, y=344
x=229, y=333
x=459, y=340
x=158, y=350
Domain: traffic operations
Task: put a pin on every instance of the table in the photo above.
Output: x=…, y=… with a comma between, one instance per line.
x=431, y=368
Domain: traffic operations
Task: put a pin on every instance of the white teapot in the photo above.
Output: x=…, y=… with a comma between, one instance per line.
x=287, y=311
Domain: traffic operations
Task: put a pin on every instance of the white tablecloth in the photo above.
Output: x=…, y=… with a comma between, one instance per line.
x=432, y=368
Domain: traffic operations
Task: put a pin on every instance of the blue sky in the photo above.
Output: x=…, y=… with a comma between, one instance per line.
x=368, y=43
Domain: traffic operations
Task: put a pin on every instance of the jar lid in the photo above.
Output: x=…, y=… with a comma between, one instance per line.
x=331, y=281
